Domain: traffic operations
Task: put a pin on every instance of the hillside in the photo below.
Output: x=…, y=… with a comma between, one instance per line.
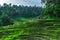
x=31, y=30
x=19, y=22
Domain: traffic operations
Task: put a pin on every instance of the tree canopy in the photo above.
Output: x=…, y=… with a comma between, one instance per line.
x=8, y=11
x=52, y=8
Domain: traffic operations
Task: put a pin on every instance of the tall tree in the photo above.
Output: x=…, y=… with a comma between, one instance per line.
x=52, y=8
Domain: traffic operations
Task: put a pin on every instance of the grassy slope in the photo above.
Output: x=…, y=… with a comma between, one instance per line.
x=33, y=29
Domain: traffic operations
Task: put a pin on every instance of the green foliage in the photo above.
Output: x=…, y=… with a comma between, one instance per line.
x=33, y=29
x=17, y=12
x=36, y=29
x=22, y=11
x=5, y=20
x=52, y=8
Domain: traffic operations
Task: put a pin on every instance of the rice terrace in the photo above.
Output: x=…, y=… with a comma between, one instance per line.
x=30, y=20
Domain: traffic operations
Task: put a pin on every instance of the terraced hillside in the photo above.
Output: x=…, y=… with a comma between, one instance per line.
x=38, y=30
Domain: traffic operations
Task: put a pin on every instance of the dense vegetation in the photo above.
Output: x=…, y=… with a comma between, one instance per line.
x=22, y=11
x=30, y=23
x=8, y=11
x=31, y=30
x=52, y=8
